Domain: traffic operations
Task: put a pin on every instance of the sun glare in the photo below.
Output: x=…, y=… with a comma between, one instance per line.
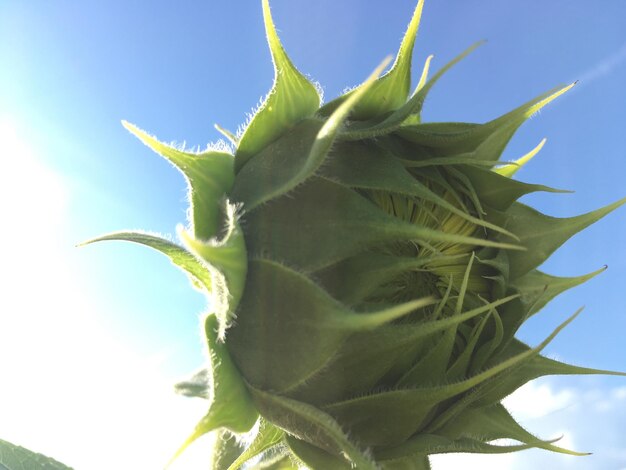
x=69, y=388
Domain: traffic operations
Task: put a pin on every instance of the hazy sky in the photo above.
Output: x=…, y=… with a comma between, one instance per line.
x=91, y=339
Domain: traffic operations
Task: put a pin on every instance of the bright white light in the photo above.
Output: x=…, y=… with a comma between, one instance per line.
x=472, y=461
x=69, y=388
x=535, y=400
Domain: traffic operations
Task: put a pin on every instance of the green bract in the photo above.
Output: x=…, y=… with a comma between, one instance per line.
x=367, y=273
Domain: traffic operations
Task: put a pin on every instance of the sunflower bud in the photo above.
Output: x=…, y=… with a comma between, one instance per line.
x=367, y=273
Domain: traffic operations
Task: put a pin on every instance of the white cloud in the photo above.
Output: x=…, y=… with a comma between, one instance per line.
x=588, y=419
x=619, y=393
x=604, y=67
x=472, y=461
x=537, y=400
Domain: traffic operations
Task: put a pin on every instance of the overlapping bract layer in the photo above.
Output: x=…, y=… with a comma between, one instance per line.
x=367, y=274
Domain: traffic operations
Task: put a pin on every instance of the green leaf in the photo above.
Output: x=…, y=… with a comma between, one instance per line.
x=210, y=176
x=231, y=405
x=192, y=266
x=446, y=139
x=495, y=422
x=462, y=362
x=13, y=457
x=365, y=358
x=436, y=134
x=283, y=461
x=542, y=234
x=552, y=367
x=226, y=448
x=432, y=444
x=363, y=166
x=498, y=191
x=460, y=159
x=468, y=336
x=416, y=118
x=537, y=366
x=463, y=288
x=275, y=345
x=267, y=437
x=295, y=157
x=228, y=134
x=510, y=169
x=324, y=214
x=431, y=369
x=497, y=260
x=376, y=128
x=354, y=279
x=509, y=363
x=314, y=457
x=413, y=462
x=229, y=264
x=493, y=338
x=291, y=99
x=387, y=418
x=391, y=90
x=277, y=168
x=537, y=288
x=311, y=425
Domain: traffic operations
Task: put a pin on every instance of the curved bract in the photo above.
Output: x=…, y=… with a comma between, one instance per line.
x=367, y=273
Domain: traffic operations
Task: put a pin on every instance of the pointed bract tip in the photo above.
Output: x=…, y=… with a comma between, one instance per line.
x=360, y=90
x=382, y=66
x=374, y=319
x=551, y=97
x=267, y=13
x=273, y=40
x=558, y=329
x=137, y=132
x=408, y=41
x=565, y=89
x=409, y=37
x=448, y=66
x=226, y=133
x=509, y=169
x=523, y=160
x=84, y=243
x=424, y=77
x=570, y=319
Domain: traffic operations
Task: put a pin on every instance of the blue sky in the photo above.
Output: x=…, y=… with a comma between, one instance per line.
x=94, y=337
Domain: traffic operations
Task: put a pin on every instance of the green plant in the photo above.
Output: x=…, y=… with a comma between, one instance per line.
x=14, y=457
x=367, y=273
